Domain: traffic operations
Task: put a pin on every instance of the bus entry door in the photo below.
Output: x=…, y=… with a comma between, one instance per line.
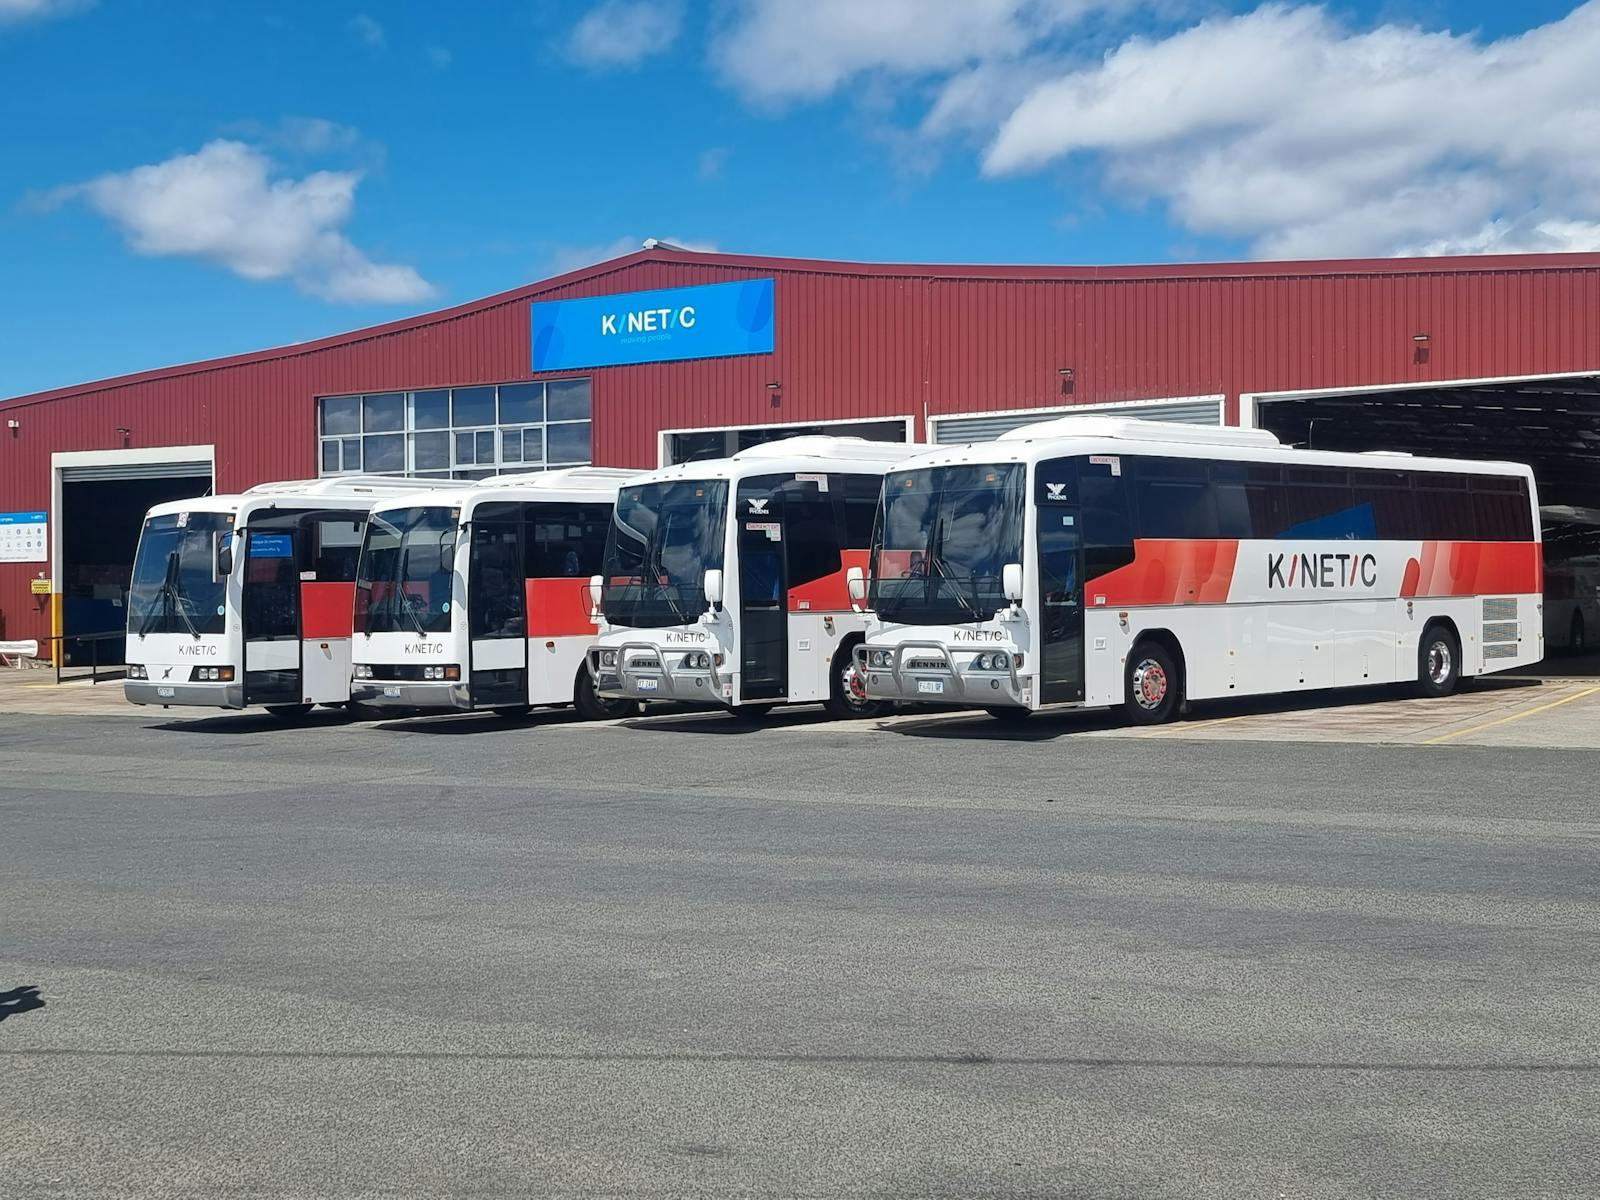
x=763, y=592
x=1060, y=582
x=271, y=617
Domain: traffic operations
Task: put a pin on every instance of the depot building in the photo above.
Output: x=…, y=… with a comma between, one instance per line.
x=667, y=356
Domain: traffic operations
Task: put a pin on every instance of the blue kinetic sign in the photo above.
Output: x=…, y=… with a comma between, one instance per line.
x=711, y=321
x=272, y=545
x=23, y=518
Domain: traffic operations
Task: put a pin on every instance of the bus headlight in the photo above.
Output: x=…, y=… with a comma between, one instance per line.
x=211, y=675
x=137, y=672
x=362, y=671
x=608, y=658
x=880, y=658
x=999, y=660
x=981, y=663
x=697, y=660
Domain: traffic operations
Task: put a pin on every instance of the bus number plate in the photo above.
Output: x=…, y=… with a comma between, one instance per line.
x=166, y=693
x=647, y=685
x=393, y=693
x=930, y=687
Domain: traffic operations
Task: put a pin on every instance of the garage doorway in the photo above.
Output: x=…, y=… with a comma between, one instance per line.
x=99, y=502
x=1550, y=423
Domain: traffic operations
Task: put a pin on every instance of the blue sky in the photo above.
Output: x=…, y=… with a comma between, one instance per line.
x=183, y=180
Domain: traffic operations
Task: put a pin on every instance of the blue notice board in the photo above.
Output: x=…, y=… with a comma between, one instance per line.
x=271, y=545
x=714, y=320
x=24, y=537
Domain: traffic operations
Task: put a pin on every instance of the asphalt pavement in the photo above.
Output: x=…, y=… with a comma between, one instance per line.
x=686, y=956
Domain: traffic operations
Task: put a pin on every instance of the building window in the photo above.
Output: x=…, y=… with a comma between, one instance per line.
x=460, y=433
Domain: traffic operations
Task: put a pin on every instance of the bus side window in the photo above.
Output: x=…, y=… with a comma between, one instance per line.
x=858, y=507
x=337, y=546
x=811, y=533
x=1106, y=526
x=1174, y=498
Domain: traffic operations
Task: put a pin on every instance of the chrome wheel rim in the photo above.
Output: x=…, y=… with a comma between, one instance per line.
x=1150, y=684
x=1440, y=662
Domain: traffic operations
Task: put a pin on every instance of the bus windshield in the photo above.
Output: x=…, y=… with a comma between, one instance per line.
x=175, y=587
x=944, y=536
x=403, y=580
x=664, y=538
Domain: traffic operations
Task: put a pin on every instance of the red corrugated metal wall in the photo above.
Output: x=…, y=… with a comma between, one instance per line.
x=860, y=342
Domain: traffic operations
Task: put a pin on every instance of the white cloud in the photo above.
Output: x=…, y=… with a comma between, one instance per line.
x=781, y=50
x=621, y=33
x=712, y=160
x=29, y=10
x=1283, y=127
x=366, y=30
x=223, y=205
x=439, y=57
x=569, y=258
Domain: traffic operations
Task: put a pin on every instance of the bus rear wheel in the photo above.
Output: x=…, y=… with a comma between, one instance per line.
x=1438, y=662
x=592, y=706
x=1154, y=685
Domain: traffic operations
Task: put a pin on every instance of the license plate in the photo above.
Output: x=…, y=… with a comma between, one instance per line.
x=166, y=693
x=647, y=685
x=392, y=693
x=931, y=687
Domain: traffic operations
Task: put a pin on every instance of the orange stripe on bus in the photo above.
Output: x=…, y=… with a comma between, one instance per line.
x=326, y=610
x=558, y=607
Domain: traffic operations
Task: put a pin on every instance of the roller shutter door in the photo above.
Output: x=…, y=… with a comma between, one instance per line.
x=112, y=472
x=953, y=430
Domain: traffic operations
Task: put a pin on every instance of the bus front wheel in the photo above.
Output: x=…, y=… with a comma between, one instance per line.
x=1154, y=685
x=592, y=706
x=1438, y=662
x=848, y=700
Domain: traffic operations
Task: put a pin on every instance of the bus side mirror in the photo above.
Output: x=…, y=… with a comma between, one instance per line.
x=1011, y=582
x=597, y=585
x=712, y=586
x=224, y=565
x=855, y=579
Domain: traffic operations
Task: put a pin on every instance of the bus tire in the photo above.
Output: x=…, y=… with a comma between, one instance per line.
x=843, y=703
x=1154, y=684
x=592, y=706
x=288, y=712
x=1575, y=635
x=1438, y=661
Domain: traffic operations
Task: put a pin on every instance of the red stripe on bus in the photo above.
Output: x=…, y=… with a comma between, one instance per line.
x=326, y=610
x=1474, y=569
x=558, y=607
x=831, y=593
x=1168, y=572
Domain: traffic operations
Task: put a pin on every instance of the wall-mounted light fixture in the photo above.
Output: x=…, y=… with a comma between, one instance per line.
x=15, y=426
x=124, y=432
x=1419, y=337
x=774, y=386
x=1064, y=372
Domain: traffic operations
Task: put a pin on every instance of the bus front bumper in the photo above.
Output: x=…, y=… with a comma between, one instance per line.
x=639, y=671
x=197, y=695
x=926, y=673
x=383, y=693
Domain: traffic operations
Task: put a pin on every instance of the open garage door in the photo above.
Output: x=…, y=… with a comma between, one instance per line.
x=101, y=499
x=1553, y=425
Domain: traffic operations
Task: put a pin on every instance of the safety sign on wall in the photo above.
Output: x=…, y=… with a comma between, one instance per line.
x=23, y=537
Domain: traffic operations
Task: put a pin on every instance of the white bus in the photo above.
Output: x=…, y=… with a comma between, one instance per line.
x=478, y=597
x=724, y=580
x=1571, y=577
x=1091, y=561
x=245, y=599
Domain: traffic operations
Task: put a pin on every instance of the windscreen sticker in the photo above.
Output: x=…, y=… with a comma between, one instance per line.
x=820, y=480
x=772, y=529
x=1107, y=460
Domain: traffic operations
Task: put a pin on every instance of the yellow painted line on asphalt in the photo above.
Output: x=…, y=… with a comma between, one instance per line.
x=1178, y=727
x=1516, y=716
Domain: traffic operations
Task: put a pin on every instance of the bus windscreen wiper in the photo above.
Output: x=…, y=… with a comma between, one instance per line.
x=936, y=563
x=657, y=569
x=399, y=601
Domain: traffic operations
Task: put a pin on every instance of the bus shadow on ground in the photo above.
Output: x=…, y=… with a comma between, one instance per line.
x=1048, y=726
x=259, y=722
x=466, y=724
x=721, y=722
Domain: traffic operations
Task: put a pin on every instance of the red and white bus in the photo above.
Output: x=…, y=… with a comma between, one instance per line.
x=245, y=599
x=725, y=580
x=1092, y=561
x=478, y=597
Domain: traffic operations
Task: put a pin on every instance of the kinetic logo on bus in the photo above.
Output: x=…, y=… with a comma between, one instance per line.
x=1322, y=570
x=714, y=320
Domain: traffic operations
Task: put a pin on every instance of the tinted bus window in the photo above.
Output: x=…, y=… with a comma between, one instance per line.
x=1444, y=507
x=858, y=506
x=566, y=540
x=1321, y=505
x=1173, y=498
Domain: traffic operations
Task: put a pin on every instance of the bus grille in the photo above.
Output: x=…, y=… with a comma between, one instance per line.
x=1500, y=650
x=1500, y=631
x=1500, y=608
x=926, y=664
